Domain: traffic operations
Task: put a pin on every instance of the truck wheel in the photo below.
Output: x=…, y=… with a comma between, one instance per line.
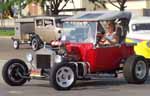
x=13, y=72
x=63, y=76
x=35, y=44
x=16, y=44
x=136, y=69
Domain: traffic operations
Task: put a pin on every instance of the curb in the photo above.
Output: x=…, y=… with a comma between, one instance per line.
x=2, y=61
x=5, y=37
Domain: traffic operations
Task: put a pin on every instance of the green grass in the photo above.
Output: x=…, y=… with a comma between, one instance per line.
x=7, y=32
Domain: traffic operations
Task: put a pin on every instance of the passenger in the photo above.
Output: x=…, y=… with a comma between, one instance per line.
x=110, y=37
x=49, y=23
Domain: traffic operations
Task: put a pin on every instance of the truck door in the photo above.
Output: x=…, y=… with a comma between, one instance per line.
x=49, y=29
x=39, y=27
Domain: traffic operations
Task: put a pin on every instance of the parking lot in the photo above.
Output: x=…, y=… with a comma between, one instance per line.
x=102, y=87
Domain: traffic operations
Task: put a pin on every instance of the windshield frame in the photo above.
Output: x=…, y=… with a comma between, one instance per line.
x=91, y=35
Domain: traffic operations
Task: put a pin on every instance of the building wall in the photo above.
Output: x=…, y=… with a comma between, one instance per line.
x=71, y=5
x=32, y=9
x=134, y=5
x=35, y=9
x=74, y=4
x=130, y=5
x=147, y=3
x=137, y=7
x=79, y=4
x=88, y=5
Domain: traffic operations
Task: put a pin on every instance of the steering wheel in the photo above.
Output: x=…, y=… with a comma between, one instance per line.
x=99, y=39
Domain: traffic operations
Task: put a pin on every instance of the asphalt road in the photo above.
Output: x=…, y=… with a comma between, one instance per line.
x=8, y=52
x=102, y=87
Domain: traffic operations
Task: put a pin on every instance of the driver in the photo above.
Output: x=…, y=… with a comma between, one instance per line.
x=110, y=37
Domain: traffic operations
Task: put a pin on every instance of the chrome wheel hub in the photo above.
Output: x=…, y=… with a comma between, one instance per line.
x=65, y=77
x=34, y=45
x=140, y=69
x=15, y=71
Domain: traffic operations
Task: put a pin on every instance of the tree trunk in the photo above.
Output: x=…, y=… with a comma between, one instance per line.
x=122, y=5
x=122, y=8
x=55, y=12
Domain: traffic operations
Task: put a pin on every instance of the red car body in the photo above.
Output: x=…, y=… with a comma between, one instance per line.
x=103, y=59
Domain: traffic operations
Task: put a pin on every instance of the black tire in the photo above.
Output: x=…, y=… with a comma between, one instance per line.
x=10, y=72
x=16, y=44
x=35, y=44
x=56, y=82
x=134, y=64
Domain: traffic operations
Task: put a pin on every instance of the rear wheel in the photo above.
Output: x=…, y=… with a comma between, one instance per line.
x=136, y=70
x=16, y=44
x=13, y=72
x=63, y=76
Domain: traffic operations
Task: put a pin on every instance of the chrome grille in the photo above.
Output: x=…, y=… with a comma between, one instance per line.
x=43, y=61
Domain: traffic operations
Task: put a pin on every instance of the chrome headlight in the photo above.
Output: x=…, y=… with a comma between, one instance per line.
x=58, y=59
x=29, y=57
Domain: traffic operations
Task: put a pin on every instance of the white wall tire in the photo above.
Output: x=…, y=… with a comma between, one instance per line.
x=35, y=44
x=16, y=44
x=140, y=69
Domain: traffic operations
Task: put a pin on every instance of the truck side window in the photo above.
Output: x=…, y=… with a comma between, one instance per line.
x=48, y=22
x=39, y=22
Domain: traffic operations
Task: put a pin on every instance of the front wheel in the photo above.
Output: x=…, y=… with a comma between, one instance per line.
x=13, y=72
x=63, y=76
x=136, y=69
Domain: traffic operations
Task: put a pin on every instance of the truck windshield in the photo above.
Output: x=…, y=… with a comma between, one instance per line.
x=59, y=23
x=79, y=32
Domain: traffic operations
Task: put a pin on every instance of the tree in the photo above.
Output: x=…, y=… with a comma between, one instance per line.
x=53, y=6
x=6, y=8
x=99, y=3
x=120, y=4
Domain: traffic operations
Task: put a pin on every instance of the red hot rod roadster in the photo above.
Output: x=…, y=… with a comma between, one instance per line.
x=77, y=56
